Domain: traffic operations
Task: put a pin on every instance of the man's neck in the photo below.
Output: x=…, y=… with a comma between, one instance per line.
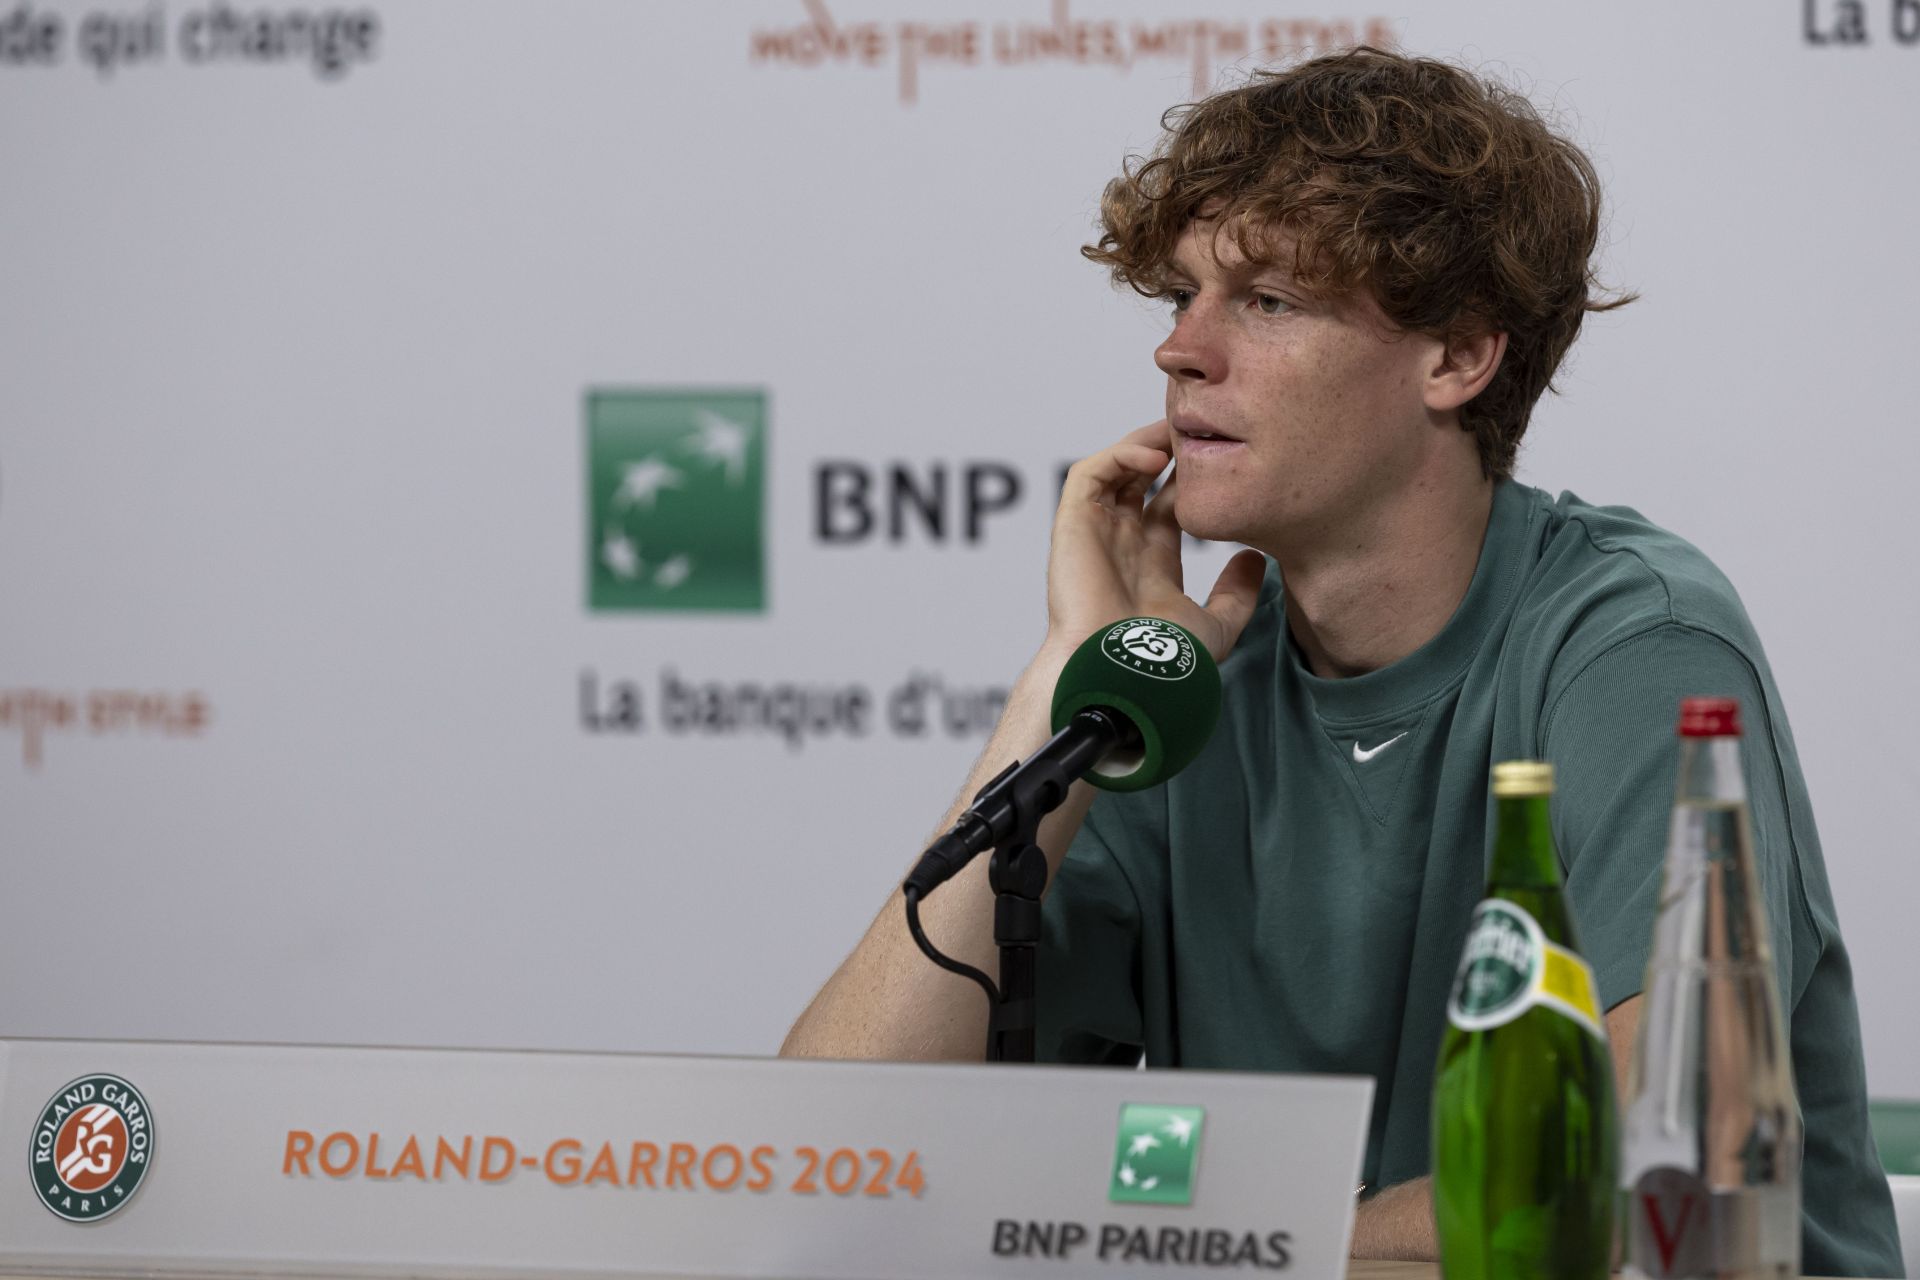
x=1387, y=584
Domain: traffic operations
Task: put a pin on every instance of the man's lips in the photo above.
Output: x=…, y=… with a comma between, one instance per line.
x=1197, y=430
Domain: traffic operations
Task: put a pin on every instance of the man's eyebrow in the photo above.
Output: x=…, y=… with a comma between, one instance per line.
x=1174, y=266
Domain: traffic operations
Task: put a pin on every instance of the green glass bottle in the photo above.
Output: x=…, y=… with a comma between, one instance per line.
x=1525, y=1139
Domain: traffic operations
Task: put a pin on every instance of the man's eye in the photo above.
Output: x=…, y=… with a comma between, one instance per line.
x=1180, y=298
x=1271, y=305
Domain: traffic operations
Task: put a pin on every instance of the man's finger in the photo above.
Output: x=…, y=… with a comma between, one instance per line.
x=1156, y=435
x=1131, y=494
x=1100, y=477
x=1234, y=595
x=1163, y=530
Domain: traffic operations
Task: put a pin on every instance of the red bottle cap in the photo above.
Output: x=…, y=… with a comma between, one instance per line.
x=1709, y=718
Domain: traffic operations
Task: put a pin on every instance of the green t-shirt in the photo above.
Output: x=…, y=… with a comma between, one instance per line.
x=1298, y=898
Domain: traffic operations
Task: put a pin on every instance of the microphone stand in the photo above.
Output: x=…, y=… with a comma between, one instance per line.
x=1005, y=817
x=1018, y=872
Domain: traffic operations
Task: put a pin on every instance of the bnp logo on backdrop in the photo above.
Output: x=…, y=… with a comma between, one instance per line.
x=1154, y=1157
x=676, y=484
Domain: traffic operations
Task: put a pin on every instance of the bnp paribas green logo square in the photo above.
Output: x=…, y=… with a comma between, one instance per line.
x=675, y=499
x=1156, y=1154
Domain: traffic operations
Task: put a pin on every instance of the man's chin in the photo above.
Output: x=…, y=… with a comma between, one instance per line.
x=1206, y=521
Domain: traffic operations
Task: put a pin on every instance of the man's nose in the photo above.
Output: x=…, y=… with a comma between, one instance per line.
x=1191, y=353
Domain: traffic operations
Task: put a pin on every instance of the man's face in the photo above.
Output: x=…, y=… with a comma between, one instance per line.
x=1316, y=406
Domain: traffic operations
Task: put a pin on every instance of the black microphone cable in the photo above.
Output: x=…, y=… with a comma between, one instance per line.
x=946, y=962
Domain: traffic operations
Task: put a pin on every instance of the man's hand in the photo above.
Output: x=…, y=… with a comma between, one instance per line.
x=1116, y=555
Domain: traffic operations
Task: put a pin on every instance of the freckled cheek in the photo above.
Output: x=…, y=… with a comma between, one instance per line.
x=1293, y=395
x=1366, y=394
x=1326, y=402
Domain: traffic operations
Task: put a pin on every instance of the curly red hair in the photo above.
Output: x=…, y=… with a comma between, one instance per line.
x=1442, y=194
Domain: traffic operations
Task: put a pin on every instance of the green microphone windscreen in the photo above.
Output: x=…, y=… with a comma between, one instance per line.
x=1155, y=674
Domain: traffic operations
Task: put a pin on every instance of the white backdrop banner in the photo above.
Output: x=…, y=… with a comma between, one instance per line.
x=514, y=521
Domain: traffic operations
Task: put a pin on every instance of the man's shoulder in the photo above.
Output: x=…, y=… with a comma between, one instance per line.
x=1603, y=576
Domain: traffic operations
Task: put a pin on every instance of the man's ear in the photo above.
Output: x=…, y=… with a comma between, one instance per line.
x=1463, y=369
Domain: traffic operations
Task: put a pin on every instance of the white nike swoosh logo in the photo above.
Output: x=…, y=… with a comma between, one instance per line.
x=1361, y=757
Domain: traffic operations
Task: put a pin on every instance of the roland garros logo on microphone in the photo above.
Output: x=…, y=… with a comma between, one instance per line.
x=91, y=1148
x=1151, y=647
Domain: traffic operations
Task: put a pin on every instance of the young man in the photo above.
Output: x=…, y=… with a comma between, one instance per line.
x=1375, y=264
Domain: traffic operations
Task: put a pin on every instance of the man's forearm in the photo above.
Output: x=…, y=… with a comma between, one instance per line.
x=886, y=1000
x=1396, y=1224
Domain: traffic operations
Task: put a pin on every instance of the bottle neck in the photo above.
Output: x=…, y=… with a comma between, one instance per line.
x=1523, y=852
x=1710, y=772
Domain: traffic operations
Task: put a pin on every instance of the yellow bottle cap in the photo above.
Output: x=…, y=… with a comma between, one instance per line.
x=1523, y=778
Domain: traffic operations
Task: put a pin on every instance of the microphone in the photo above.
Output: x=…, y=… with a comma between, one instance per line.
x=1133, y=706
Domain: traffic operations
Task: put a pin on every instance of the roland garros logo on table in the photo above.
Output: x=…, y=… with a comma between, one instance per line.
x=91, y=1148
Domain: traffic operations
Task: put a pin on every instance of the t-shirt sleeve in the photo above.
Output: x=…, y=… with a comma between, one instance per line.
x=1088, y=1010
x=1610, y=734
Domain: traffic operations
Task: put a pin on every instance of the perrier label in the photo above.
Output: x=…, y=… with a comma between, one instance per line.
x=1510, y=967
x=1524, y=1134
